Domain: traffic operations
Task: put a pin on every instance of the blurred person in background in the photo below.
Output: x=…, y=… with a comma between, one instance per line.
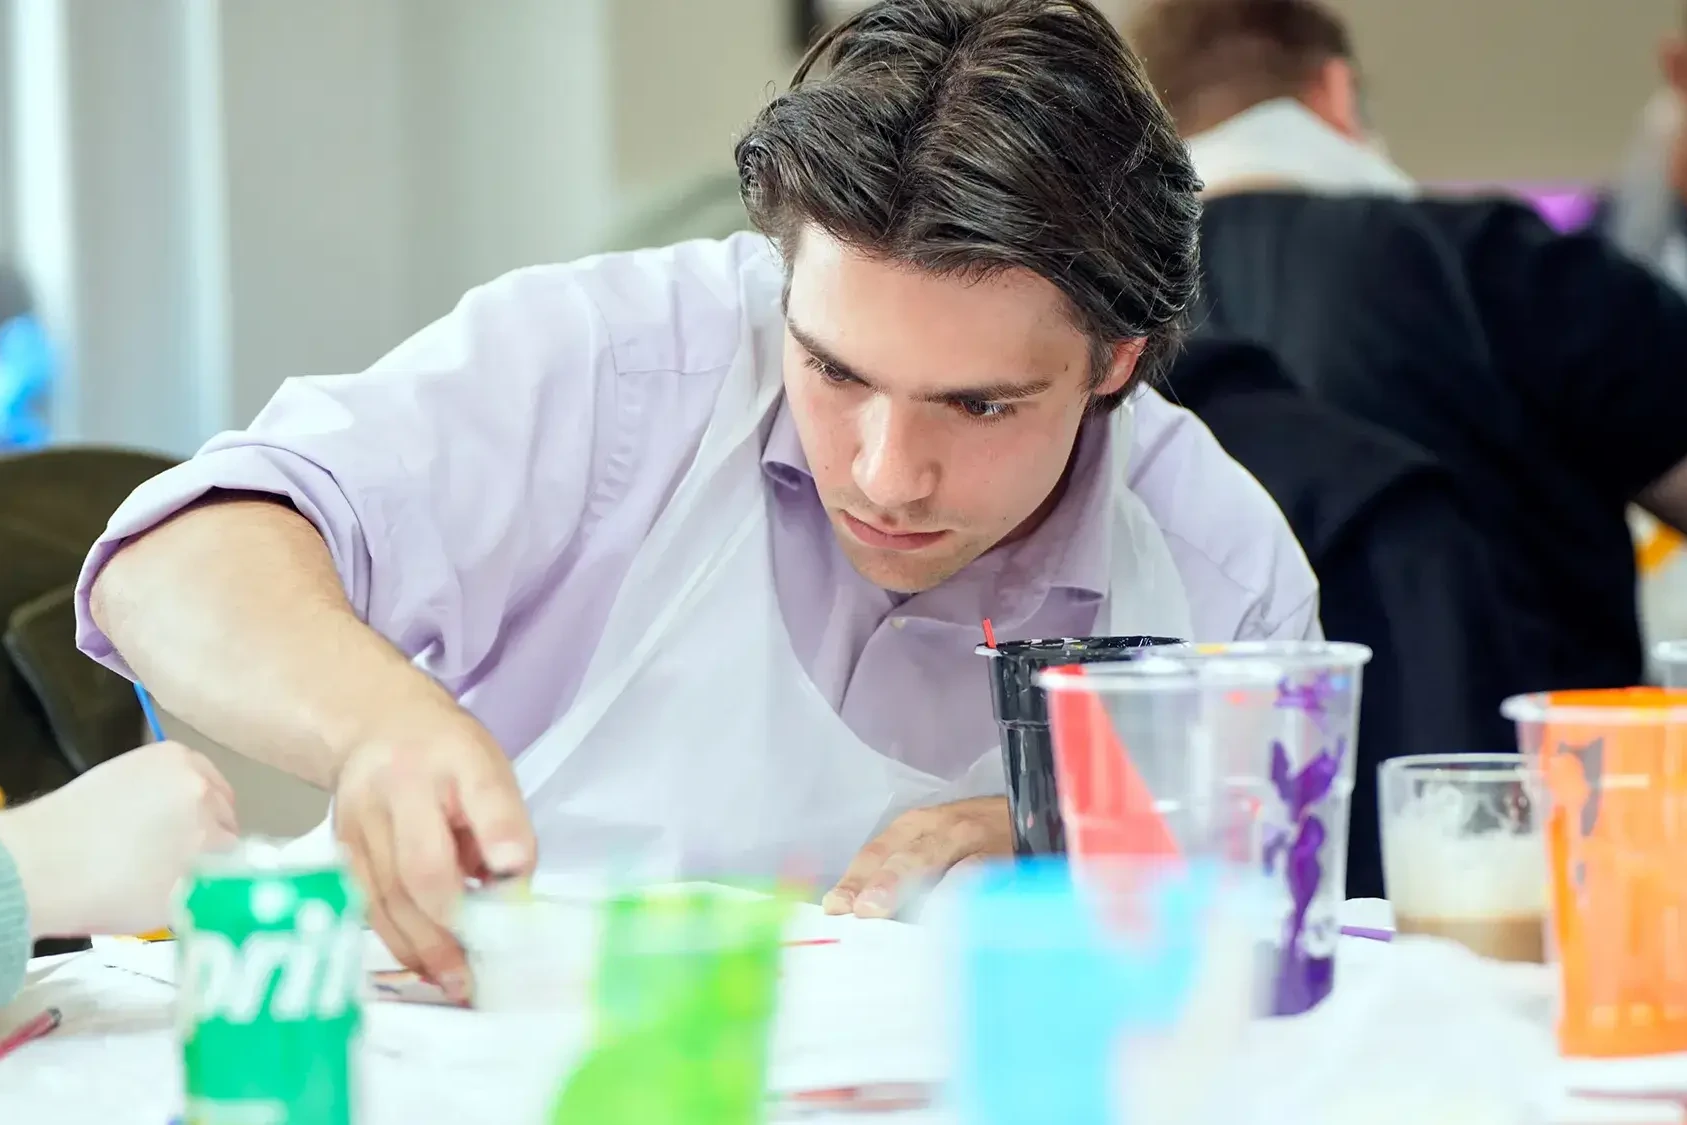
x=1401, y=567
x=701, y=537
x=1545, y=372
x=1646, y=213
x=103, y=854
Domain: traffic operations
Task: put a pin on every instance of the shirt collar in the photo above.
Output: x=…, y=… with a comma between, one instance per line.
x=1282, y=142
x=1069, y=550
x=782, y=458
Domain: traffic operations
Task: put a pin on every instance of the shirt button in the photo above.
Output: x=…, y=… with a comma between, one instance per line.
x=898, y=622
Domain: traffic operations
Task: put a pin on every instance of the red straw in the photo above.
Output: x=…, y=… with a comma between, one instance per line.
x=989, y=634
x=1101, y=782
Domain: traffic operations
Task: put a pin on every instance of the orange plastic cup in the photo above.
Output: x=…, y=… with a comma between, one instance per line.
x=1614, y=767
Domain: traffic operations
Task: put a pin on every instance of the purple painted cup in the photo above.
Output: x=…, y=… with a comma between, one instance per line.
x=1247, y=753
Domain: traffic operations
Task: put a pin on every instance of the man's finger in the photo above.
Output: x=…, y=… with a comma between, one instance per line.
x=919, y=857
x=434, y=952
x=841, y=898
x=490, y=805
x=425, y=851
x=204, y=767
x=470, y=862
x=222, y=813
x=351, y=839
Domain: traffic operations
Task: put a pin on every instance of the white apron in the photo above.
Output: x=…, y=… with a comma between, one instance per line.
x=697, y=745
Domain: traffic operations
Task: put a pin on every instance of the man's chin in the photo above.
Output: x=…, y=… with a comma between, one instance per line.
x=901, y=572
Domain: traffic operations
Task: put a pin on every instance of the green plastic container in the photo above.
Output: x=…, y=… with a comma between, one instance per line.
x=685, y=998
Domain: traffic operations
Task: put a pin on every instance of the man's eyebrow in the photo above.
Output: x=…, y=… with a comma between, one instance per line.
x=992, y=392
x=986, y=392
x=824, y=354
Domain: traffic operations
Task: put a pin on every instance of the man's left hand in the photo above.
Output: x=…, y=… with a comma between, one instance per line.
x=918, y=848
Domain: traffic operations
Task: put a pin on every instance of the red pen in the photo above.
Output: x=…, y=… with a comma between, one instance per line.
x=883, y=1097
x=798, y=944
x=32, y=1030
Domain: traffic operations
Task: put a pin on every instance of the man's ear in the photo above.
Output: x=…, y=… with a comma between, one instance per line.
x=1126, y=355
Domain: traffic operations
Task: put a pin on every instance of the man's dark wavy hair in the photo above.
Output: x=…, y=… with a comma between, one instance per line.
x=968, y=137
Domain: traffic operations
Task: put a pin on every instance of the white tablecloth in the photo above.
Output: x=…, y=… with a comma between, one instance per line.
x=868, y=1008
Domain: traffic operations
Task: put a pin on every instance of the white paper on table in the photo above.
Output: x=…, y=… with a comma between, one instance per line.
x=1567, y=1110
x=111, y=1060
x=150, y=960
x=871, y=1007
x=1417, y=1030
x=43, y=967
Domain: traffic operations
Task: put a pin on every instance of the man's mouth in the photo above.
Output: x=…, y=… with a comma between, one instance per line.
x=883, y=539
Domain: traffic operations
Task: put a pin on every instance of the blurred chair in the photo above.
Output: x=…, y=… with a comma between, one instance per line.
x=89, y=710
x=59, y=712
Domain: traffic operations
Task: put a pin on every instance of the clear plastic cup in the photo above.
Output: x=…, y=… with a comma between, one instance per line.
x=1242, y=753
x=1118, y=992
x=1614, y=767
x=1464, y=851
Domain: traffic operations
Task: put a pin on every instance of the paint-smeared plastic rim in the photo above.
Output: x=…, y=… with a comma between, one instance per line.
x=1242, y=664
x=1608, y=706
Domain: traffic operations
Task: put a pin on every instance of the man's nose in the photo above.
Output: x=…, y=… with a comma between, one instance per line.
x=895, y=466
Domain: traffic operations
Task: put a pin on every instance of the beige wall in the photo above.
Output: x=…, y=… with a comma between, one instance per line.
x=1542, y=90
x=1515, y=89
x=686, y=78
x=267, y=801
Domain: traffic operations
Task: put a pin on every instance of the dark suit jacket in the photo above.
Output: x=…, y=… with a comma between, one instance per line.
x=1400, y=566
x=1547, y=374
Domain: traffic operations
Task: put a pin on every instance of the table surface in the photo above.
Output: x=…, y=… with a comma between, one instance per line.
x=865, y=1007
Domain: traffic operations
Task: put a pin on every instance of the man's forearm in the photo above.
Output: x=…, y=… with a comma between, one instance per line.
x=233, y=615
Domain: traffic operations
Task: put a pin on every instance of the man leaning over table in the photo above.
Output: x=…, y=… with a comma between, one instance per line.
x=677, y=559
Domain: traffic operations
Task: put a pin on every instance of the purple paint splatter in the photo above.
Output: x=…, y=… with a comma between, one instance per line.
x=1314, y=697
x=1302, y=981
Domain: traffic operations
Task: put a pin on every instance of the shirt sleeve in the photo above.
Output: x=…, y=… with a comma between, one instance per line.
x=1300, y=624
x=1243, y=570
x=14, y=929
x=423, y=474
x=1595, y=343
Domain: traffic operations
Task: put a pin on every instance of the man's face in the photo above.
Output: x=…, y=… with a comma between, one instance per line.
x=938, y=414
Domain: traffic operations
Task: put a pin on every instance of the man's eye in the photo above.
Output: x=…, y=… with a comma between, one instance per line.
x=985, y=411
x=828, y=372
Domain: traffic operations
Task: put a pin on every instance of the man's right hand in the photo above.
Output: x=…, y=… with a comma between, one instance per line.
x=418, y=816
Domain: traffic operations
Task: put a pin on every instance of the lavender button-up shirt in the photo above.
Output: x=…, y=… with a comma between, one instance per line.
x=483, y=489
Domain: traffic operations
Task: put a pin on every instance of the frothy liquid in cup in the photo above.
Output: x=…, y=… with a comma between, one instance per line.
x=1487, y=892
x=1502, y=939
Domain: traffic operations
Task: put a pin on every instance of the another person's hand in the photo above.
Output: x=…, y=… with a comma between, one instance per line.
x=420, y=813
x=103, y=854
x=918, y=848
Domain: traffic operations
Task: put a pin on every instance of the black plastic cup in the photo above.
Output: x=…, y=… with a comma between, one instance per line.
x=1022, y=714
